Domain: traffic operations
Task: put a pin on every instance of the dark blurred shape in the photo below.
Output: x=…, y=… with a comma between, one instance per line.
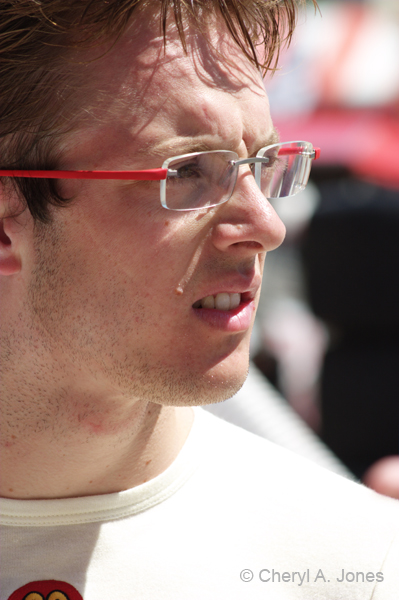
x=351, y=263
x=268, y=365
x=351, y=254
x=359, y=401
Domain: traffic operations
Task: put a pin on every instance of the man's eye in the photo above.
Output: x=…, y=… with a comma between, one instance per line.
x=273, y=161
x=275, y=164
x=188, y=171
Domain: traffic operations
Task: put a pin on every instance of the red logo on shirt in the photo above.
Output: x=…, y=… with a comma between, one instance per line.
x=46, y=590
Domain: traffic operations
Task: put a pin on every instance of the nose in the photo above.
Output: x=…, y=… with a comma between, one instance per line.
x=247, y=223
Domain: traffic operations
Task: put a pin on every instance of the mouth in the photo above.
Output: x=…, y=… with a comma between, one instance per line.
x=224, y=301
x=228, y=312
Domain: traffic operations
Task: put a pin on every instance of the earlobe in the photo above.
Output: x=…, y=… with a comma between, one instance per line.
x=10, y=262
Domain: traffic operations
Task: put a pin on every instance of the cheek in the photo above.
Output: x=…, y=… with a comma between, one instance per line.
x=137, y=247
x=123, y=270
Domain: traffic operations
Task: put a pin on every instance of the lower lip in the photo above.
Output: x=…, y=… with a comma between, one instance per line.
x=231, y=321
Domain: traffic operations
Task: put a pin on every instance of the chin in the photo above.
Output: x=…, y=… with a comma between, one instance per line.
x=188, y=381
x=225, y=380
x=216, y=384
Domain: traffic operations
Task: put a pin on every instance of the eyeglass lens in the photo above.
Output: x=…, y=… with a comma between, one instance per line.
x=200, y=180
x=287, y=171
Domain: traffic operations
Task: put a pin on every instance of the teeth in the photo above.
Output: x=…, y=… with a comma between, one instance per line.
x=222, y=301
x=208, y=302
x=235, y=300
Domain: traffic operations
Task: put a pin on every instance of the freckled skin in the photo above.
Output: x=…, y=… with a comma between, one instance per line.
x=99, y=325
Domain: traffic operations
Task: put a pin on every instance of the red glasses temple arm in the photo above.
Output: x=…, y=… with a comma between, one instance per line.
x=295, y=150
x=147, y=175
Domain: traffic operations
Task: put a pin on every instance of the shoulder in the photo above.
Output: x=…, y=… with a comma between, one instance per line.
x=315, y=518
x=236, y=457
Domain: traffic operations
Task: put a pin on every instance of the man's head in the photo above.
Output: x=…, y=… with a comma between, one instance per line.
x=107, y=295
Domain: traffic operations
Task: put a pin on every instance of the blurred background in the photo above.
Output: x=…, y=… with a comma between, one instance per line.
x=327, y=331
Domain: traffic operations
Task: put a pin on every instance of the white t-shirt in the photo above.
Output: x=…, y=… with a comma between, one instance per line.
x=235, y=517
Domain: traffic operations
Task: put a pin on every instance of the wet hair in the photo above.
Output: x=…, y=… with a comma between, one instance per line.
x=42, y=80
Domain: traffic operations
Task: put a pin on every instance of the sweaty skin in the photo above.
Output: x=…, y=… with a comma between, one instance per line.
x=102, y=357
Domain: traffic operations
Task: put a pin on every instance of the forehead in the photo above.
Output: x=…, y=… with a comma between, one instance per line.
x=155, y=98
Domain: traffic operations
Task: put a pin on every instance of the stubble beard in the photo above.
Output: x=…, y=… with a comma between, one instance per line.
x=87, y=352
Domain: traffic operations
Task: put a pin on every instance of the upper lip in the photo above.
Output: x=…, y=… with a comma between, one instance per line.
x=247, y=290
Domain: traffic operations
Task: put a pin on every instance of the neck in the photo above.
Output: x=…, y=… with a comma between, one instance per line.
x=72, y=444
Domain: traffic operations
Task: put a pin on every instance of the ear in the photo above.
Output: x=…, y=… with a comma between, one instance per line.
x=10, y=261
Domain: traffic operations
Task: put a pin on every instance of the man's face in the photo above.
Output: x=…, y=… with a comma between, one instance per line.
x=117, y=275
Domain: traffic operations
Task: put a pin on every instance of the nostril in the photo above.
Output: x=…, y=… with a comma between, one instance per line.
x=251, y=245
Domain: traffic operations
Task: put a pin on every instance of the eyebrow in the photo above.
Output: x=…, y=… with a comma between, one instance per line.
x=190, y=145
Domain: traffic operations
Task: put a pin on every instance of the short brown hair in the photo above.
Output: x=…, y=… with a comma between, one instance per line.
x=39, y=83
